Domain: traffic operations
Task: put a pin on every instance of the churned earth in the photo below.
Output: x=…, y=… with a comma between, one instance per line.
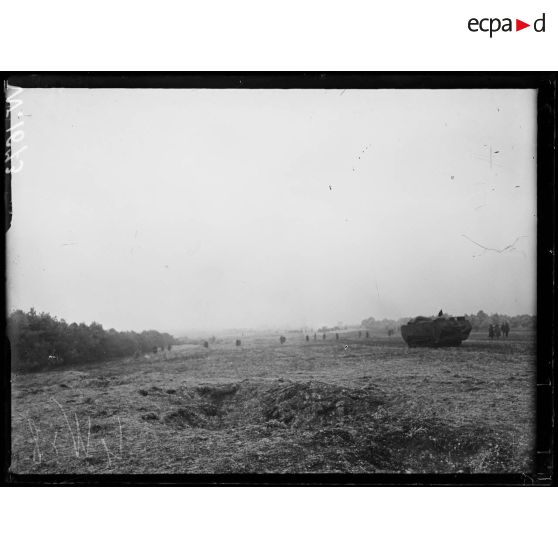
x=353, y=405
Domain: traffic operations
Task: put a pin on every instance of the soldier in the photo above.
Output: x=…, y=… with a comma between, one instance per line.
x=491, y=332
x=497, y=331
x=307, y=338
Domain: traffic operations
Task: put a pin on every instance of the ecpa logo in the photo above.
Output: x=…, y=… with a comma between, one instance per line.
x=492, y=25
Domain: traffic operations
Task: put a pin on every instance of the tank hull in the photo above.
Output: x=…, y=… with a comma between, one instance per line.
x=436, y=332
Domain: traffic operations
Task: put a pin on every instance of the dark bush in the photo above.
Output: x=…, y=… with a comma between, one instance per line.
x=36, y=337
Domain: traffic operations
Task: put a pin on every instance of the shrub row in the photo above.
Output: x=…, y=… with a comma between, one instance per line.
x=40, y=340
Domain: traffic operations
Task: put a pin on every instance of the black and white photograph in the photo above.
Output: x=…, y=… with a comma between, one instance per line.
x=278, y=280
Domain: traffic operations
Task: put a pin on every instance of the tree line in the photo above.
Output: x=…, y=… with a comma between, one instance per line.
x=479, y=321
x=37, y=340
x=482, y=320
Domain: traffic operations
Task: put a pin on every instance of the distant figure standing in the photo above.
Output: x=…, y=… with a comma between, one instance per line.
x=323, y=336
x=238, y=342
x=497, y=331
x=440, y=314
x=52, y=359
x=314, y=337
x=491, y=332
x=307, y=338
x=206, y=344
x=337, y=336
x=169, y=347
x=367, y=334
x=282, y=339
x=505, y=329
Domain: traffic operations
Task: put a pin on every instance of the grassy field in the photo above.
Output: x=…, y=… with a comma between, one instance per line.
x=353, y=405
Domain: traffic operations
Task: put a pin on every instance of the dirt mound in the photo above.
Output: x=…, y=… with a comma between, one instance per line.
x=217, y=391
x=188, y=416
x=202, y=407
x=336, y=428
x=278, y=404
x=315, y=403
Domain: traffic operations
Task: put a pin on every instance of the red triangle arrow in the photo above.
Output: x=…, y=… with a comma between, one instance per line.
x=519, y=25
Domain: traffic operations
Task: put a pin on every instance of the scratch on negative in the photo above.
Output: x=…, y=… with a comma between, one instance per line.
x=509, y=247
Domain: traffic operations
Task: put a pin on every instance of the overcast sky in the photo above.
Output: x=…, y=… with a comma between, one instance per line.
x=210, y=209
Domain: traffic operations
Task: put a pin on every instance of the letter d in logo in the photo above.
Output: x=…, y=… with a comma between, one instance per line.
x=539, y=24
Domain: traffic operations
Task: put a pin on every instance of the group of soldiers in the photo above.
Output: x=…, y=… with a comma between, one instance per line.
x=154, y=349
x=497, y=330
x=283, y=339
x=336, y=336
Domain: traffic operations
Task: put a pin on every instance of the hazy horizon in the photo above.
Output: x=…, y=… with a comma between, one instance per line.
x=208, y=210
x=193, y=332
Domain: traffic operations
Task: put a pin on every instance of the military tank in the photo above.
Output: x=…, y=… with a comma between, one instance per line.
x=440, y=331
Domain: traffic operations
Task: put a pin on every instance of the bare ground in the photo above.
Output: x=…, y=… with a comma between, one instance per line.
x=353, y=405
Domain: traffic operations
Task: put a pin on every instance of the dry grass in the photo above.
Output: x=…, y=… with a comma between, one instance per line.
x=353, y=405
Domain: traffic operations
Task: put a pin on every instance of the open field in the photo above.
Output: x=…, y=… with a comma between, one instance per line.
x=353, y=405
